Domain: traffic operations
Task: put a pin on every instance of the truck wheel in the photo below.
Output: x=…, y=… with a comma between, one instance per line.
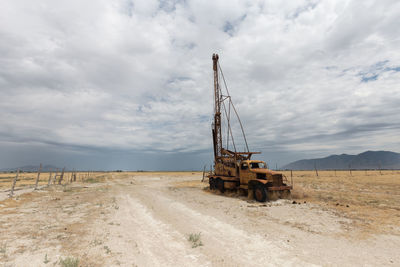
x=260, y=193
x=220, y=185
x=212, y=183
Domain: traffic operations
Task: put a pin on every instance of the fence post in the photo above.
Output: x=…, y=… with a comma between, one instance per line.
x=55, y=177
x=49, y=181
x=315, y=167
x=204, y=171
x=13, y=184
x=38, y=175
x=61, y=176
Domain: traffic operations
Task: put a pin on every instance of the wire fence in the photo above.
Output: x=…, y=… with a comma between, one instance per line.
x=10, y=182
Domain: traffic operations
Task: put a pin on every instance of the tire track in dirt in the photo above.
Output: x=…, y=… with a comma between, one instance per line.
x=162, y=226
x=147, y=241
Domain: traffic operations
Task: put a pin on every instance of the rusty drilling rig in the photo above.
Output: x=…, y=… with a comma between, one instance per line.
x=235, y=170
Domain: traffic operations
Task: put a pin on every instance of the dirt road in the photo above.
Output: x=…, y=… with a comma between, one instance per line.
x=146, y=220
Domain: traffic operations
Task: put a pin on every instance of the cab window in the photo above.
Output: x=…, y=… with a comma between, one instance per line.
x=244, y=166
x=258, y=165
x=254, y=165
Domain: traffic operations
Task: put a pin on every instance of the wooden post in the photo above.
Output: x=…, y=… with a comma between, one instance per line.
x=315, y=167
x=74, y=176
x=291, y=174
x=55, y=177
x=350, y=170
x=13, y=184
x=380, y=168
x=204, y=171
x=61, y=176
x=49, y=181
x=38, y=175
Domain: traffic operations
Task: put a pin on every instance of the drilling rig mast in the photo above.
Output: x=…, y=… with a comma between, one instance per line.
x=216, y=131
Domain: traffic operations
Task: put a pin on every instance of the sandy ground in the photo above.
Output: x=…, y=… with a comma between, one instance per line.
x=146, y=219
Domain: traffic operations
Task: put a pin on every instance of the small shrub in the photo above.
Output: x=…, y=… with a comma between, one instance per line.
x=108, y=250
x=46, y=260
x=69, y=262
x=3, y=249
x=195, y=240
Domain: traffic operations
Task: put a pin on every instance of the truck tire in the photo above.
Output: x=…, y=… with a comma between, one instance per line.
x=260, y=193
x=212, y=183
x=220, y=185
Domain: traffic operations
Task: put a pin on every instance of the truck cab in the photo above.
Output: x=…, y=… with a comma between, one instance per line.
x=251, y=169
x=255, y=176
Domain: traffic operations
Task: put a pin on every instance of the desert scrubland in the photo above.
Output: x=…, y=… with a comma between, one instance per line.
x=172, y=218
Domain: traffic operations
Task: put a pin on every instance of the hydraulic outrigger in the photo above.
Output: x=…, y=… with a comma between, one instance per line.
x=236, y=170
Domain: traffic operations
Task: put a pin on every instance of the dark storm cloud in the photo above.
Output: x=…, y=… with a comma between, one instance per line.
x=111, y=81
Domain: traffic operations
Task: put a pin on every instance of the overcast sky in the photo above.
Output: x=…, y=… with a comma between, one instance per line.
x=120, y=84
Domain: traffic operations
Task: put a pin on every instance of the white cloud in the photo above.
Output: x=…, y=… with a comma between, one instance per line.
x=137, y=75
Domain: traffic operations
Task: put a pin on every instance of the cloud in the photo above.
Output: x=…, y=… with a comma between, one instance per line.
x=133, y=76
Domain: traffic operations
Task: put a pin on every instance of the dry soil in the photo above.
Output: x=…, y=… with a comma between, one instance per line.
x=146, y=219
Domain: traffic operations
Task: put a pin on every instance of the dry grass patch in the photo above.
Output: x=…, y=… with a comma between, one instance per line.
x=370, y=199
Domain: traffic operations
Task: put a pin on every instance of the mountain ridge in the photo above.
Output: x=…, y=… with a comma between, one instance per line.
x=365, y=160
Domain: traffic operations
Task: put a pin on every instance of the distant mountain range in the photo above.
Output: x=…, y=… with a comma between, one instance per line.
x=31, y=168
x=365, y=160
